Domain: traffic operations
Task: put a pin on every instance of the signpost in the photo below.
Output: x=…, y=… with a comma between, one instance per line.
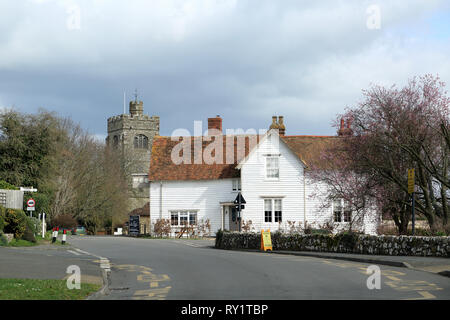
x=31, y=203
x=239, y=205
x=134, y=226
x=44, y=227
x=266, y=241
x=411, y=191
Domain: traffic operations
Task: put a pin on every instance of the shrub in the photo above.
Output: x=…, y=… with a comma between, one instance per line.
x=204, y=228
x=3, y=241
x=247, y=226
x=2, y=218
x=64, y=221
x=320, y=231
x=16, y=222
x=7, y=186
x=28, y=235
x=219, y=235
x=32, y=225
x=162, y=227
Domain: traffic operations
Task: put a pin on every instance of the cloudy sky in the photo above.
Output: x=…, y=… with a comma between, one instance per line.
x=245, y=60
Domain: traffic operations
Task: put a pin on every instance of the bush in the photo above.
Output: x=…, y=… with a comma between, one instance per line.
x=219, y=235
x=28, y=235
x=3, y=241
x=162, y=228
x=7, y=186
x=64, y=221
x=320, y=231
x=2, y=218
x=15, y=222
x=31, y=229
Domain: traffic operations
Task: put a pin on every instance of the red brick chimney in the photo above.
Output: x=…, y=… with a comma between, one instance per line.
x=341, y=131
x=349, y=127
x=345, y=128
x=281, y=126
x=215, y=125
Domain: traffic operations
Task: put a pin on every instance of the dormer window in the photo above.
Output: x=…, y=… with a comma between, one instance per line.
x=272, y=167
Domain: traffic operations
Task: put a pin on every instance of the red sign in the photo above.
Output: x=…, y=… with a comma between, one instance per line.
x=31, y=202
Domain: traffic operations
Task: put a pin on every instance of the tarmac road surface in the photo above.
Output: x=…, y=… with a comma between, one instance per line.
x=193, y=269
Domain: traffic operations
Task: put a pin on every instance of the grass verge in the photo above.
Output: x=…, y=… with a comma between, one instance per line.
x=25, y=243
x=36, y=289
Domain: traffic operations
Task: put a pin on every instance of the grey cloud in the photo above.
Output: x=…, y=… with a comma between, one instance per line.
x=245, y=60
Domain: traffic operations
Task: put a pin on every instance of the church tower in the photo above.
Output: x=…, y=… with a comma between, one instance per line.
x=132, y=135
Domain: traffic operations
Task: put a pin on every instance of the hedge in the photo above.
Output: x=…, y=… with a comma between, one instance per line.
x=341, y=243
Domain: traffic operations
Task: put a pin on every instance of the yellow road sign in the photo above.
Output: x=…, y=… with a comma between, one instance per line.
x=266, y=241
x=410, y=180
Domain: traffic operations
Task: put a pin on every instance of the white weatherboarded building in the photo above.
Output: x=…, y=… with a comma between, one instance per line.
x=269, y=171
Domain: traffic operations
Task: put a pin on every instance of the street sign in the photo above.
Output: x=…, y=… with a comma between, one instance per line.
x=31, y=208
x=266, y=241
x=410, y=181
x=134, y=226
x=31, y=202
x=411, y=191
x=239, y=199
x=26, y=189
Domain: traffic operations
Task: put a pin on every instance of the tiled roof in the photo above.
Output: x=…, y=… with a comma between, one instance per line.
x=144, y=211
x=310, y=148
x=162, y=168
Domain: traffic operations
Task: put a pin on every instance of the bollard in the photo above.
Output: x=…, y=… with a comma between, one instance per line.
x=54, y=235
x=64, y=237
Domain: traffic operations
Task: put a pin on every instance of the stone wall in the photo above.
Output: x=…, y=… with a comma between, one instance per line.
x=341, y=243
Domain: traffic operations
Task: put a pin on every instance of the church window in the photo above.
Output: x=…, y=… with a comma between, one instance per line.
x=141, y=142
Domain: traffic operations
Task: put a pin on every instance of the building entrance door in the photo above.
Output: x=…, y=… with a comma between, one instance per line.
x=234, y=221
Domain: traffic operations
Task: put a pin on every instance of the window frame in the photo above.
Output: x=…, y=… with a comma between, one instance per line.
x=140, y=141
x=345, y=214
x=183, y=215
x=266, y=167
x=273, y=216
x=236, y=185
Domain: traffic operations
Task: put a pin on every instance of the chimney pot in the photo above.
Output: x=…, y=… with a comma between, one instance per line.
x=274, y=124
x=281, y=126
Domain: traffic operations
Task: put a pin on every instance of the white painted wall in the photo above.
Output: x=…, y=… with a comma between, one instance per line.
x=204, y=196
x=256, y=188
x=319, y=212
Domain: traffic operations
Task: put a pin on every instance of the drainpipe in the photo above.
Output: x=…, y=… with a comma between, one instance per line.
x=149, y=207
x=160, y=199
x=304, y=200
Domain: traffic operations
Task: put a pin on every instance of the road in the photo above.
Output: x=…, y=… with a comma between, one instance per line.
x=47, y=262
x=192, y=269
